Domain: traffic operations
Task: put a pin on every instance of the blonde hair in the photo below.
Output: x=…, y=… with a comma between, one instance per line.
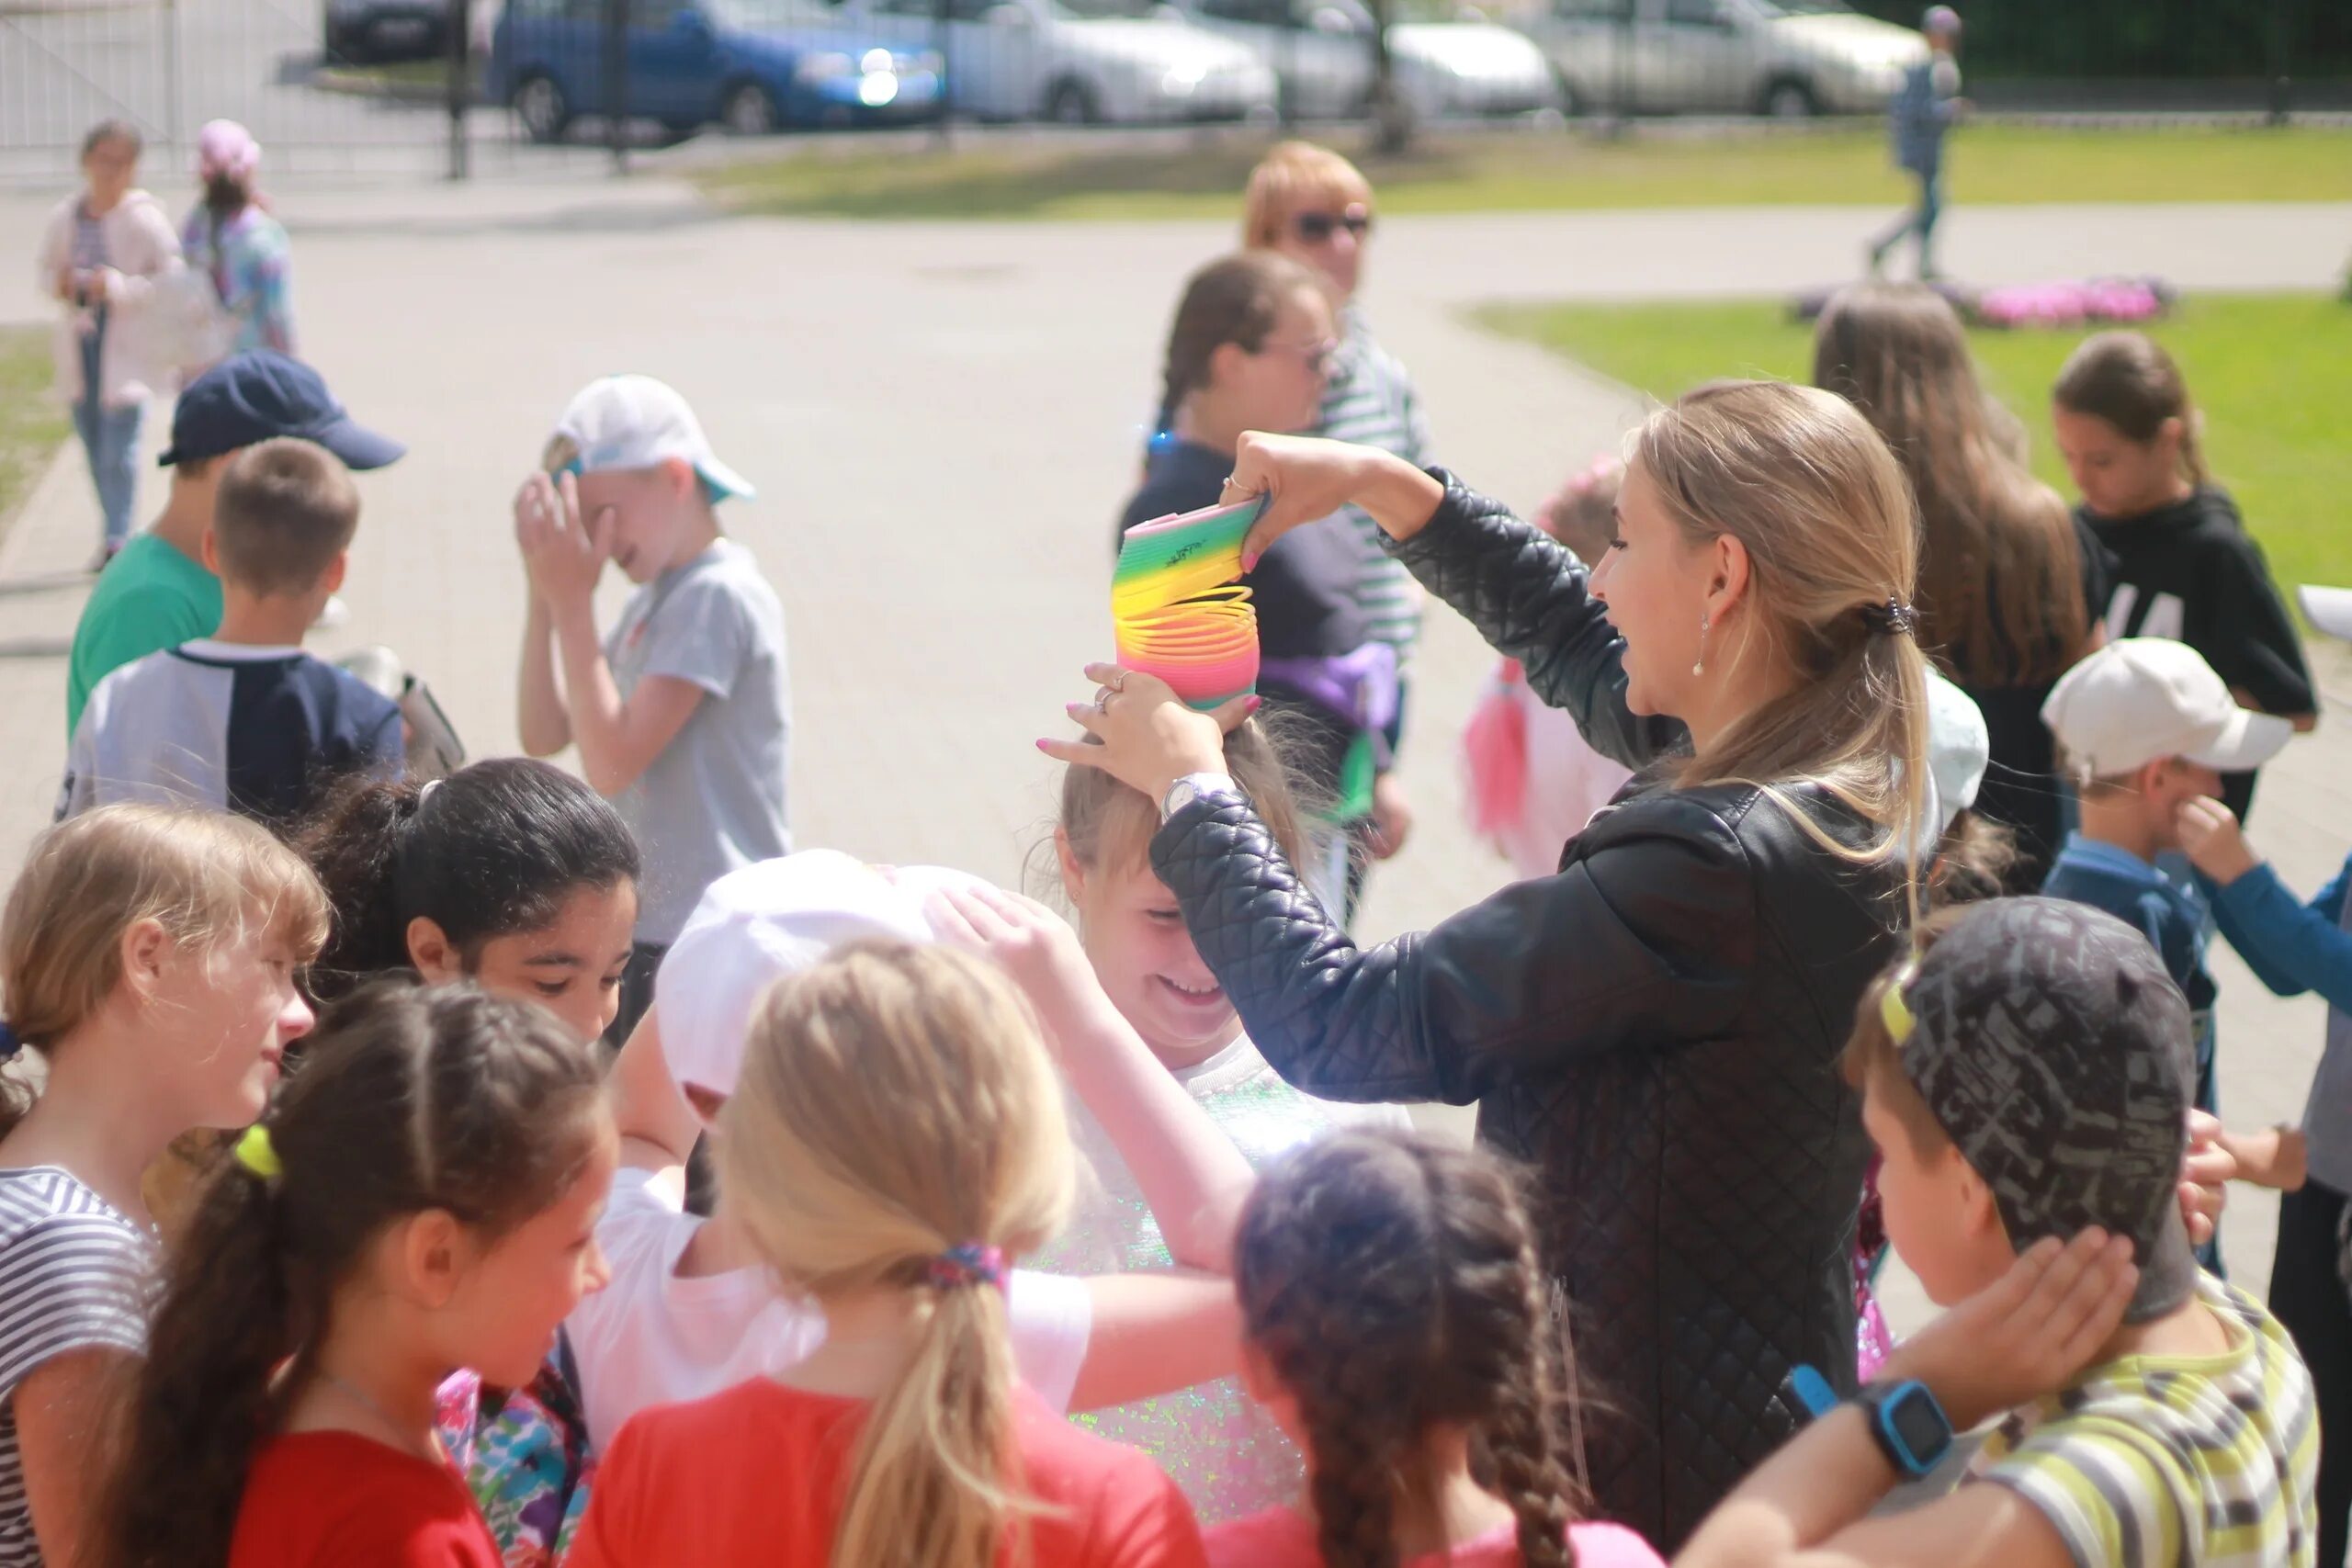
x=1108, y=824
x=1292, y=175
x=896, y=1102
x=1802, y=481
x=284, y=511
x=208, y=879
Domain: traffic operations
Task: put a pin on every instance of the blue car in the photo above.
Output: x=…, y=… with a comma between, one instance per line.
x=751, y=66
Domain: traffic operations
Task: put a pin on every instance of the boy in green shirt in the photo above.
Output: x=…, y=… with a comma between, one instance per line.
x=155, y=593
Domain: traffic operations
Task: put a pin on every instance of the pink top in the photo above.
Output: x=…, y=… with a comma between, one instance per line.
x=1282, y=1538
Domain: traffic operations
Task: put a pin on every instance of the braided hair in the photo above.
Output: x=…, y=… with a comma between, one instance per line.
x=1391, y=1285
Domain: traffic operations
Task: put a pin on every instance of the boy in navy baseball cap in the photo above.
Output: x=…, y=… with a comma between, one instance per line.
x=156, y=593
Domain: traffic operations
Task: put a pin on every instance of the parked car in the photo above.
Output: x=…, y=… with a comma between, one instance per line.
x=1785, y=58
x=365, y=32
x=1077, y=60
x=1321, y=53
x=751, y=66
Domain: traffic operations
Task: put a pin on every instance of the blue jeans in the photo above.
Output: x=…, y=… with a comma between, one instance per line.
x=111, y=438
x=1920, y=221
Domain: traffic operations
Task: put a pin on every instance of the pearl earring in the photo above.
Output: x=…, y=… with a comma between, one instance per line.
x=1699, y=668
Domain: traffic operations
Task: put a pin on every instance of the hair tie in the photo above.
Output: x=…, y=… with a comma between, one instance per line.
x=10, y=1041
x=968, y=1263
x=426, y=793
x=259, y=1154
x=1895, y=618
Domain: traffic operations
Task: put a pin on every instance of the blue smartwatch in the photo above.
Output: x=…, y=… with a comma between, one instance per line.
x=1910, y=1427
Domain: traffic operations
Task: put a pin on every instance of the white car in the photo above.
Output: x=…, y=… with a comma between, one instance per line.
x=1077, y=60
x=1321, y=51
x=1786, y=58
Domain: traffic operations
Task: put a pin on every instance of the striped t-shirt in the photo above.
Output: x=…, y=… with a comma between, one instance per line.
x=1370, y=401
x=74, y=1275
x=2151, y=1461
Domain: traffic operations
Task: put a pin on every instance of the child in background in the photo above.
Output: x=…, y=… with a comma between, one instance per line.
x=2146, y=726
x=1397, y=1325
x=682, y=712
x=158, y=592
x=1533, y=780
x=1221, y=1448
x=896, y=1140
x=235, y=241
x=692, y=1309
x=2025, y=1076
x=149, y=955
x=2184, y=566
x=510, y=872
x=423, y=1196
x=245, y=719
x=1248, y=349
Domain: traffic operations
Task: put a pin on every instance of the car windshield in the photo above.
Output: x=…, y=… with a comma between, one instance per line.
x=1106, y=10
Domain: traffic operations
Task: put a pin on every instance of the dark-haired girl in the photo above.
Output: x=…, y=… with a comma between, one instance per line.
x=1394, y=1324
x=2185, y=568
x=423, y=1196
x=510, y=872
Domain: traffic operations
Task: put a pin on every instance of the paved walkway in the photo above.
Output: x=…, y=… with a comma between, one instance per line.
x=942, y=420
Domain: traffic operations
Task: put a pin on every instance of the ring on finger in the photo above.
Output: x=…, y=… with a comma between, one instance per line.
x=1103, y=700
x=1118, y=680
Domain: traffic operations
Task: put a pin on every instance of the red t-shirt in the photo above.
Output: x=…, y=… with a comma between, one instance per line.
x=754, y=1476
x=339, y=1500
x=1283, y=1538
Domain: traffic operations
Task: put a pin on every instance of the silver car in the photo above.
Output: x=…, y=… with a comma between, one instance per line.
x=1785, y=58
x=1321, y=51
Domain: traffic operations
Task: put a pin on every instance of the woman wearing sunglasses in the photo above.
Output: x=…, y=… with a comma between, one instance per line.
x=1252, y=343
x=1310, y=204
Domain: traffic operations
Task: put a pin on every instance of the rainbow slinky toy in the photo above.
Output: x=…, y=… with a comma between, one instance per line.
x=1178, y=613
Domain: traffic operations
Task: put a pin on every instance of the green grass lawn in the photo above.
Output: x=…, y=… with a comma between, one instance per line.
x=1541, y=171
x=2272, y=372
x=32, y=424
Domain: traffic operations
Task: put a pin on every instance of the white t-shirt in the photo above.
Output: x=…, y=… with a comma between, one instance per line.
x=653, y=1336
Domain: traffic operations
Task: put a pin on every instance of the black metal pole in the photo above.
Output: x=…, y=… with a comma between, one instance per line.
x=616, y=83
x=461, y=84
x=939, y=36
x=1622, y=68
x=1393, y=121
x=2282, y=26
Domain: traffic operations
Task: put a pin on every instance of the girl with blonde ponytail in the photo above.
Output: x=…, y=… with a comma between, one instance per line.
x=895, y=1140
x=1655, y=1027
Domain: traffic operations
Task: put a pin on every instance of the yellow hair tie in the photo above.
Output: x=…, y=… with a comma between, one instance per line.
x=259, y=1154
x=1894, y=1008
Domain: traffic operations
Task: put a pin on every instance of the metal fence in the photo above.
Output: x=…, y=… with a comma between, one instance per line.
x=414, y=84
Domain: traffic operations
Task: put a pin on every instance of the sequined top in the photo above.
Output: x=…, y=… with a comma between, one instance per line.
x=1227, y=1455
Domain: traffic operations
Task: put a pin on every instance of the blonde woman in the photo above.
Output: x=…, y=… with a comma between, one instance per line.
x=1654, y=1029
x=895, y=1141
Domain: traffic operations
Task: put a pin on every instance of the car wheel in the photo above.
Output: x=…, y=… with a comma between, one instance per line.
x=1791, y=100
x=1072, y=103
x=750, y=110
x=540, y=105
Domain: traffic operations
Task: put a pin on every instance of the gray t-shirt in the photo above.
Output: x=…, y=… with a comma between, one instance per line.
x=714, y=799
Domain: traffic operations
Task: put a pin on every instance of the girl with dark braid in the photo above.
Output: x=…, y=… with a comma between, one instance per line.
x=1396, y=1327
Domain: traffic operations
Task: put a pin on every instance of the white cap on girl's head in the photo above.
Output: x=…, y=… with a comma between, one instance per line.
x=1959, y=750
x=755, y=926
x=2328, y=610
x=636, y=422
x=2145, y=698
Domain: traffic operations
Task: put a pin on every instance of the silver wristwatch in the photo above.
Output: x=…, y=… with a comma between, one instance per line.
x=1198, y=786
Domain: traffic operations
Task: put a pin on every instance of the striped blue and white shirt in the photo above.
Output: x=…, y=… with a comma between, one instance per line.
x=1369, y=399
x=74, y=1275
x=260, y=731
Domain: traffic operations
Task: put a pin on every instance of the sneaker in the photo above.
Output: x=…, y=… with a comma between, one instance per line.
x=331, y=613
x=103, y=558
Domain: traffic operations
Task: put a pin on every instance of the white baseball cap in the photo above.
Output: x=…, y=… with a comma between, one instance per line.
x=2328, y=610
x=755, y=926
x=2144, y=698
x=636, y=422
x=1959, y=750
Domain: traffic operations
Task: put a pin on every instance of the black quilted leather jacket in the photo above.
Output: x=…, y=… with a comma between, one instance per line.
x=1654, y=1031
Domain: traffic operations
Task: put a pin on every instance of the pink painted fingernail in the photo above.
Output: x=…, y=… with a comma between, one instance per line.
x=1255, y=704
x=1042, y=745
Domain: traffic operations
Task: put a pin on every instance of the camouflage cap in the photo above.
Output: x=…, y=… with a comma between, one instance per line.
x=2054, y=1050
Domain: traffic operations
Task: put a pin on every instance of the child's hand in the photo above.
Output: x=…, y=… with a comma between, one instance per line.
x=2213, y=840
x=2028, y=1332
x=562, y=553
x=2276, y=1157
x=1035, y=947
x=2205, y=1176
